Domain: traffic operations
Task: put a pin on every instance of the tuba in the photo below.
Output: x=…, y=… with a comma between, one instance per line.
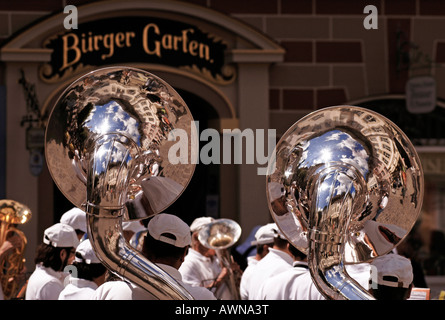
x=12, y=213
x=220, y=235
x=108, y=146
x=352, y=182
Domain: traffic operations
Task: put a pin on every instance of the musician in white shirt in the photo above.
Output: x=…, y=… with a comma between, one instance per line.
x=293, y=284
x=88, y=273
x=165, y=244
x=264, y=239
x=202, y=267
x=53, y=255
x=278, y=259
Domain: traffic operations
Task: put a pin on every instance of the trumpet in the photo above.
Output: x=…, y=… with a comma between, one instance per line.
x=12, y=213
x=220, y=235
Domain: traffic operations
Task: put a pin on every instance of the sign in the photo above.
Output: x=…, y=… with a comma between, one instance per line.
x=421, y=94
x=136, y=40
x=36, y=161
x=433, y=163
x=35, y=138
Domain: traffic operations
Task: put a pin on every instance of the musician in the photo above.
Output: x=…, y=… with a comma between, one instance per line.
x=394, y=277
x=88, y=276
x=165, y=244
x=264, y=238
x=53, y=255
x=77, y=219
x=202, y=268
x=293, y=284
x=277, y=260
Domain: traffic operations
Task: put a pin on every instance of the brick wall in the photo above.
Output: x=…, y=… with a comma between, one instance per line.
x=331, y=58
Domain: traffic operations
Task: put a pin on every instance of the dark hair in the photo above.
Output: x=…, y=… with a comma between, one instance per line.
x=89, y=271
x=260, y=247
x=79, y=232
x=153, y=248
x=280, y=243
x=296, y=253
x=390, y=293
x=49, y=256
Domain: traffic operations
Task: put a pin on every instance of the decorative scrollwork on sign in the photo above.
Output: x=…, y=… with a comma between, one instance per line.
x=32, y=103
x=35, y=132
x=409, y=56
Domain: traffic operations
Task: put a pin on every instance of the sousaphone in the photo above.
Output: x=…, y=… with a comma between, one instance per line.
x=107, y=146
x=352, y=182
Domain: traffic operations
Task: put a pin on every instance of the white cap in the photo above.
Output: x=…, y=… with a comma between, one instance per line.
x=87, y=252
x=165, y=223
x=275, y=190
x=382, y=236
x=134, y=226
x=265, y=234
x=393, y=270
x=198, y=223
x=61, y=235
x=277, y=232
x=76, y=218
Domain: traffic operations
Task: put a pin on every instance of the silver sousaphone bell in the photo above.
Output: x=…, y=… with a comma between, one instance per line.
x=352, y=182
x=107, y=148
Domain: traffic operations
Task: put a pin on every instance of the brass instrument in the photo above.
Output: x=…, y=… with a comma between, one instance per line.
x=330, y=172
x=12, y=213
x=220, y=235
x=107, y=146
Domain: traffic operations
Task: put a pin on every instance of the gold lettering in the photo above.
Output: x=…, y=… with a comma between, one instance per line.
x=157, y=49
x=67, y=49
x=192, y=47
x=173, y=42
x=119, y=38
x=167, y=41
x=109, y=44
x=176, y=40
x=86, y=44
x=185, y=39
x=96, y=39
x=128, y=36
x=204, y=51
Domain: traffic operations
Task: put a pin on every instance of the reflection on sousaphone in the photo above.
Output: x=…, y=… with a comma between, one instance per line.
x=353, y=180
x=106, y=145
x=373, y=240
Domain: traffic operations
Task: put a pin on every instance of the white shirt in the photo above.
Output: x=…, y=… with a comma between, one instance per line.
x=44, y=284
x=293, y=284
x=275, y=262
x=198, y=270
x=78, y=289
x=360, y=272
x=122, y=290
x=245, y=278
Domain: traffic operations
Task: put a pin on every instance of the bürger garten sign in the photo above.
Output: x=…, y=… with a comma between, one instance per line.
x=136, y=40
